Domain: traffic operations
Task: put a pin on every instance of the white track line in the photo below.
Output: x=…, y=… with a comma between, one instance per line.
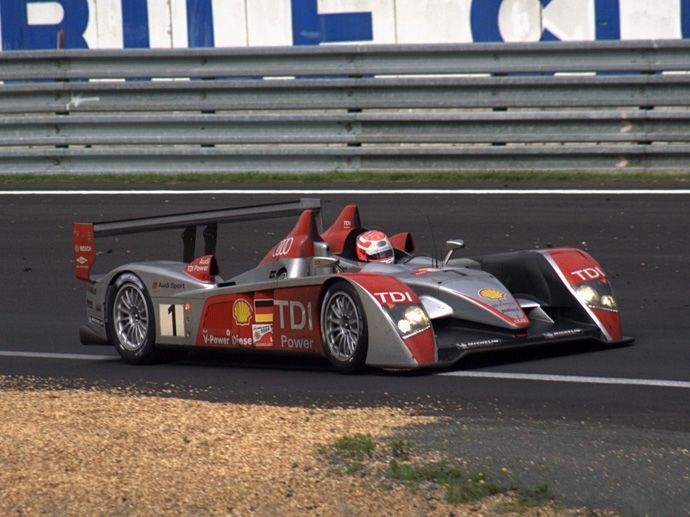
x=45, y=355
x=470, y=374
x=318, y=192
x=569, y=378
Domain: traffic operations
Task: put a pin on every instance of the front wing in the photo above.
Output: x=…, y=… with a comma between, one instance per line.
x=454, y=341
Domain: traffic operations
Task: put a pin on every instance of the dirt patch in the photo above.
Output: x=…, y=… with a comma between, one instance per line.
x=89, y=452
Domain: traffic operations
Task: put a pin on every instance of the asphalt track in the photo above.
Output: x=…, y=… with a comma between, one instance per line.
x=604, y=427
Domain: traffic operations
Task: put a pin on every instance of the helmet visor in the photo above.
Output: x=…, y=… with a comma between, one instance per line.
x=381, y=255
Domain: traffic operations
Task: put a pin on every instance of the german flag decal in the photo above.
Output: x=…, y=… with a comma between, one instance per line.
x=263, y=310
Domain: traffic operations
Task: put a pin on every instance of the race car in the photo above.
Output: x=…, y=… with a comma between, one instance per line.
x=317, y=292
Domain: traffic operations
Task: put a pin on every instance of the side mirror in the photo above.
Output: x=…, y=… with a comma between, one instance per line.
x=451, y=246
x=323, y=262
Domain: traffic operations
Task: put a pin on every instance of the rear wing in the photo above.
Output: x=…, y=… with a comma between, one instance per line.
x=84, y=234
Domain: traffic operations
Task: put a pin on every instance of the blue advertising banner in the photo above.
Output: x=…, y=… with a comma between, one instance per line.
x=47, y=24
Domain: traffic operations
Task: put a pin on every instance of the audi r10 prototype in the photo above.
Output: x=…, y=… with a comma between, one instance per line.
x=315, y=292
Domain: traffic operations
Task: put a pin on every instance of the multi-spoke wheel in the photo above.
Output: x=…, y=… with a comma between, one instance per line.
x=344, y=328
x=131, y=323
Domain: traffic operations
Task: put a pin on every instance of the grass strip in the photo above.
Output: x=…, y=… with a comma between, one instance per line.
x=347, y=177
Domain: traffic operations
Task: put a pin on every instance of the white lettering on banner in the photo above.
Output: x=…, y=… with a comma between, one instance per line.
x=34, y=24
x=298, y=317
x=44, y=13
x=590, y=273
x=393, y=297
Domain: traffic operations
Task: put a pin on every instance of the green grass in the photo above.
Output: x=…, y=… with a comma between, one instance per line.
x=401, y=449
x=356, y=447
x=460, y=487
x=347, y=177
x=359, y=454
x=348, y=453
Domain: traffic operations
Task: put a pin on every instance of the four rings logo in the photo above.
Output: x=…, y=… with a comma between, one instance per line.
x=283, y=247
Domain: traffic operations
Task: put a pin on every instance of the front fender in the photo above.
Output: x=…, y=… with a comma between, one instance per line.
x=381, y=297
x=577, y=268
x=560, y=278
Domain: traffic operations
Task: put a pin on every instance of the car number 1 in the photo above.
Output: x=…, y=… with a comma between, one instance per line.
x=171, y=319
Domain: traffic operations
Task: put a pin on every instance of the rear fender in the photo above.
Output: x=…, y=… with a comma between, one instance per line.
x=176, y=295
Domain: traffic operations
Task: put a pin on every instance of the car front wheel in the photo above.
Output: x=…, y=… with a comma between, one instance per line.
x=344, y=328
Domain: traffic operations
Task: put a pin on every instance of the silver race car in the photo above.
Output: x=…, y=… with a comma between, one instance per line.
x=353, y=295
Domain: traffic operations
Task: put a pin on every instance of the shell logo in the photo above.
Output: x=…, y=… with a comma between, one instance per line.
x=241, y=312
x=492, y=294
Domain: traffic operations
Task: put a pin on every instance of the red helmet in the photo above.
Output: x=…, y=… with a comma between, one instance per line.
x=374, y=246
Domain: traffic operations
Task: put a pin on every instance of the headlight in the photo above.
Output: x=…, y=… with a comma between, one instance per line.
x=404, y=326
x=410, y=320
x=416, y=316
x=587, y=294
x=608, y=302
x=596, y=295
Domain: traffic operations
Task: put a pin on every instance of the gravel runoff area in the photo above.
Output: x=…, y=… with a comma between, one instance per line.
x=90, y=451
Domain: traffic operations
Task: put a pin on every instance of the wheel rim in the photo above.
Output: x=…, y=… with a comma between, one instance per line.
x=131, y=317
x=342, y=326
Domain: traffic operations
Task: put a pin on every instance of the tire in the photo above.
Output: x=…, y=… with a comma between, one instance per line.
x=344, y=328
x=131, y=323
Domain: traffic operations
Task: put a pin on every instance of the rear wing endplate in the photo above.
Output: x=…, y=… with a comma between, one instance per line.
x=84, y=234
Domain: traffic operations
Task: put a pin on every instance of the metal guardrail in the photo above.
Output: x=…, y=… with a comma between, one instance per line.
x=596, y=106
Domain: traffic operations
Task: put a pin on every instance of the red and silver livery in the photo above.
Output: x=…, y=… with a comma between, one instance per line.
x=310, y=294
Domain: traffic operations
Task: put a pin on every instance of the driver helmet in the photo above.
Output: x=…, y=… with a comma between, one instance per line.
x=374, y=246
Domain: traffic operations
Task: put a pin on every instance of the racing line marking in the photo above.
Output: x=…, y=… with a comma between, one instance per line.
x=461, y=373
x=569, y=378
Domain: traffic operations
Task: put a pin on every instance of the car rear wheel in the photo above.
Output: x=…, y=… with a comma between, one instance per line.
x=344, y=328
x=131, y=325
